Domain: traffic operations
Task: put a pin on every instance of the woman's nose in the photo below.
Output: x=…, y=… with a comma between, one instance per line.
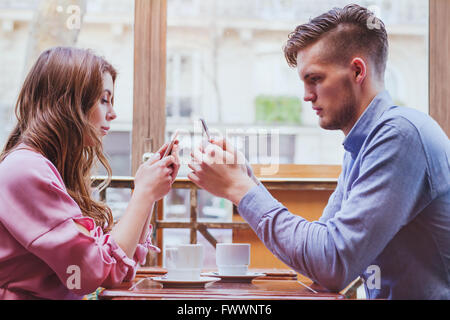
x=111, y=115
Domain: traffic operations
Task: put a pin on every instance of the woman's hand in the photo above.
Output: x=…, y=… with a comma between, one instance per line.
x=153, y=180
x=221, y=169
x=155, y=177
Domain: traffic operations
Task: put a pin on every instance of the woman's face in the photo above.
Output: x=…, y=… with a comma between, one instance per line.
x=103, y=112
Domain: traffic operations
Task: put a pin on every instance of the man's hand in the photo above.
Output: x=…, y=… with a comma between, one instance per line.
x=222, y=170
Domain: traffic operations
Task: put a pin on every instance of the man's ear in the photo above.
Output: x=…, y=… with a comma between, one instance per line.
x=359, y=68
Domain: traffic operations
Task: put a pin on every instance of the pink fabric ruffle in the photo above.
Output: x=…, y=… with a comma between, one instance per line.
x=102, y=239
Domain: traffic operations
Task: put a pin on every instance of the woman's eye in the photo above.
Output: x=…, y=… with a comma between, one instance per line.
x=105, y=101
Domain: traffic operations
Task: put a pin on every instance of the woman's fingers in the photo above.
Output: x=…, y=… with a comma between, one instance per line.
x=168, y=161
x=152, y=158
x=162, y=150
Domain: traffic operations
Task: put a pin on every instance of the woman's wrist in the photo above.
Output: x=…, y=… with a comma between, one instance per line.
x=142, y=200
x=140, y=195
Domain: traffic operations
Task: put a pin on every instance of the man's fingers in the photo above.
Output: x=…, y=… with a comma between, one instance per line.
x=194, y=167
x=197, y=156
x=224, y=144
x=193, y=177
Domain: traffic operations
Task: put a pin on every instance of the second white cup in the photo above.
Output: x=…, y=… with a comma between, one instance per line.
x=232, y=259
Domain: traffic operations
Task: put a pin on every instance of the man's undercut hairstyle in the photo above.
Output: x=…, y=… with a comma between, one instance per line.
x=349, y=31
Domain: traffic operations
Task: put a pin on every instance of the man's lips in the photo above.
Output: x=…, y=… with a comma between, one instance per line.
x=318, y=110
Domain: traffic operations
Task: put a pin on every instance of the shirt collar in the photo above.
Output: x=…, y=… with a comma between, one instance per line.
x=358, y=134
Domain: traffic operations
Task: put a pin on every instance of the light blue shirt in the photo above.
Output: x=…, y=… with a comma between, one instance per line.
x=388, y=220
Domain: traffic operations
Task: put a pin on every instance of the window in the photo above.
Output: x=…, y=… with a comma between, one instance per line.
x=183, y=87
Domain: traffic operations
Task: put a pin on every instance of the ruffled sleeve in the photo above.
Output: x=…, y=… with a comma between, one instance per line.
x=142, y=249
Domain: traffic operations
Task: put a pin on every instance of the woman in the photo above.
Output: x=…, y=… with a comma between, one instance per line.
x=56, y=241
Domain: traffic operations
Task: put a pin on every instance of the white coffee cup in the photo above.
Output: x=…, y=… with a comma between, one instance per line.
x=232, y=259
x=184, y=262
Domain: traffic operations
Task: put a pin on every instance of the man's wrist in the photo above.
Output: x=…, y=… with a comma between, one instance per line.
x=239, y=190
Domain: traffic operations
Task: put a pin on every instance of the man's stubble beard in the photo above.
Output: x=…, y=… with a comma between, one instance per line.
x=347, y=113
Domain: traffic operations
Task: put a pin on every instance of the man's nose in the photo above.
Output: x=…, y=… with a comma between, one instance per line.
x=309, y=97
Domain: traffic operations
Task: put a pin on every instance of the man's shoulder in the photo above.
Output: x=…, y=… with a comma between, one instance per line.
x=424, y=133
x=404, y=119
x=414, y=124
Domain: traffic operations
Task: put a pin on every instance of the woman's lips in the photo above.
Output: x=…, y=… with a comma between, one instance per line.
x=105, y=130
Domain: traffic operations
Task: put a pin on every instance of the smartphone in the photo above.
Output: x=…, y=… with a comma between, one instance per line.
x=172, y=143
x=205, y=129
x=147, y=155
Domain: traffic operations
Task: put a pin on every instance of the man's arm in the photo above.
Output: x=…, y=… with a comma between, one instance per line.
x=389, y=191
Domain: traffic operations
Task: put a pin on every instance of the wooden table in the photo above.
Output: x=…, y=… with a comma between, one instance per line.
x=270, y=288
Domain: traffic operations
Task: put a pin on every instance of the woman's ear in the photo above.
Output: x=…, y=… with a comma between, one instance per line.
x=359, y=68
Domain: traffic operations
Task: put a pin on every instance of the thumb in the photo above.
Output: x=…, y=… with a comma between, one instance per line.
x=151, y=158
x=224, y=144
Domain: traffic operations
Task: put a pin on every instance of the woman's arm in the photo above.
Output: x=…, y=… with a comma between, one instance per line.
x=175, y=167
x=152, y=182
x=144, y=232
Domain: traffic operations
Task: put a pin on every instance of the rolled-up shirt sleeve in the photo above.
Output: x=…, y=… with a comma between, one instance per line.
x=43, y=220
x=387, y=194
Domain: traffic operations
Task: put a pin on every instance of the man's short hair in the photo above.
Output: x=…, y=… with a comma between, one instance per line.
x=349, y=31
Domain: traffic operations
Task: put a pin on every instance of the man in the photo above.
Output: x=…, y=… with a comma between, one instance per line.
x=389, y=216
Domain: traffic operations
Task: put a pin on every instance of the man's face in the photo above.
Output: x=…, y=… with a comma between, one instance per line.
x=329, y=87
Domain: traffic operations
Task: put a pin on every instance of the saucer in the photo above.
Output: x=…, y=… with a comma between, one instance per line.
x=176, y=283
x=245, y=278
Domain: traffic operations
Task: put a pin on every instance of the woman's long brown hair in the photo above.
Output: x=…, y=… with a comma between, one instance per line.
x=52, y=113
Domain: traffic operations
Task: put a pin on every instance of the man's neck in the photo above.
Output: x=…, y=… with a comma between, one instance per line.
x=363, y=104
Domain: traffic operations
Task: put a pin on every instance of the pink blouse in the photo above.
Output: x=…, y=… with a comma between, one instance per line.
x=43, y=254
